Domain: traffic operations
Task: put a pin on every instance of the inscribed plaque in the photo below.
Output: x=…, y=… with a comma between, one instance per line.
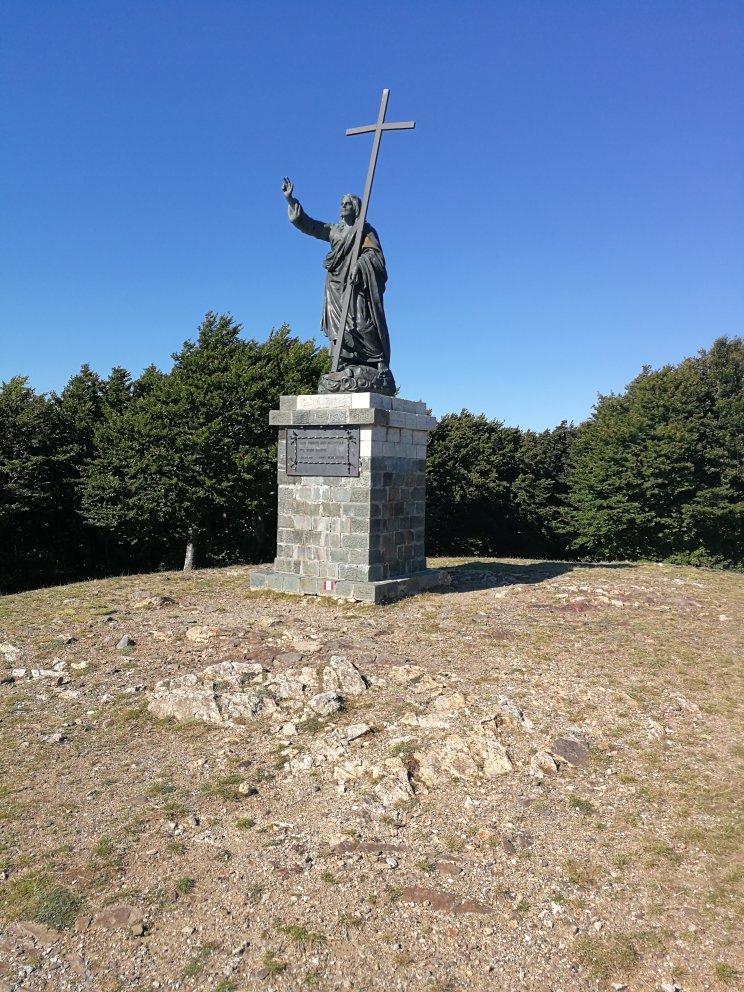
x=330, y=451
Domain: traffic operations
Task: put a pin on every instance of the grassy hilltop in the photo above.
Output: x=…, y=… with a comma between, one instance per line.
x=529, y=781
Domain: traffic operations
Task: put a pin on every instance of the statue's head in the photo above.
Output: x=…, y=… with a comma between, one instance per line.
x=351, y=207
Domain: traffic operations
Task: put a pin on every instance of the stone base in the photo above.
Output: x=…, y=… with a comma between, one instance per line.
x=362, y=592
x=357, y=531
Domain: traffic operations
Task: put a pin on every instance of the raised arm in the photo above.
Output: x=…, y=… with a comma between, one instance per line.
x=298, y=217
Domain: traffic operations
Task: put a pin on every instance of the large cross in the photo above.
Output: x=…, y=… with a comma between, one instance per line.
x=378, y=128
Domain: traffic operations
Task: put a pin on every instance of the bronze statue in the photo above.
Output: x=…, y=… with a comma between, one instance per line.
x=363, y=356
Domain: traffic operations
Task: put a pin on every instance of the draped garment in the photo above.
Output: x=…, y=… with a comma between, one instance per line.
x=366, y=340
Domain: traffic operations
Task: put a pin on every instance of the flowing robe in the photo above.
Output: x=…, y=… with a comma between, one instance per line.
x=366, y=340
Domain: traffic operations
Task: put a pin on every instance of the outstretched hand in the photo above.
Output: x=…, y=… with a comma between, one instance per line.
x=287, y=187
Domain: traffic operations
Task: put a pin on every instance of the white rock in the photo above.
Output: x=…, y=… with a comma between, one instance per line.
x=246, y=705
x=235, y=674
x=325, y=703
x=306, y=647
x=393, y=790
x=302, y=763
x=350, y=680
x=200, y=633
x=293, y=683
x=467, y=757
x=542, y=763
x=441, y=712
x=184, y=699
x=344, y=735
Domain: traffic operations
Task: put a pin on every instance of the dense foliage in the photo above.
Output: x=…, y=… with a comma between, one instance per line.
x=120, y=475
x=132, y=475
x=659, y=471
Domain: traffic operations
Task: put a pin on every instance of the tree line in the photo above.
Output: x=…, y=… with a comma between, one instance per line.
x=175, y=469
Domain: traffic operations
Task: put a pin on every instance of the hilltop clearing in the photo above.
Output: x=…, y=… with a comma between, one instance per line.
x=531, y=780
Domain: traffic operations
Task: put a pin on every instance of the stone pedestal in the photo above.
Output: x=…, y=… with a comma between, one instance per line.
x=358, y=531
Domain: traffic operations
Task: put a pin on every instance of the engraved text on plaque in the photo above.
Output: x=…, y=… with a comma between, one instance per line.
x=323, y=451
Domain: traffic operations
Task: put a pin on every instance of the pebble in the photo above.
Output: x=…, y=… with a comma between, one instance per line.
x=246, y=789
x=392, y=863
x=125, y=642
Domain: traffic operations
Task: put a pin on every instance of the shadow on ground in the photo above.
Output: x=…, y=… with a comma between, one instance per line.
x=486, y=574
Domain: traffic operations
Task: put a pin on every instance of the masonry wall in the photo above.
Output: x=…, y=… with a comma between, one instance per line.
x=350, y=532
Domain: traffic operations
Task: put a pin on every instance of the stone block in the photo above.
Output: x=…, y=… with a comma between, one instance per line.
x=290, y=582
x=354, y=572
x=308, y=585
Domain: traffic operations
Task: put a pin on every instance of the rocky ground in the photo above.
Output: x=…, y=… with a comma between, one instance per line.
x=530, y=781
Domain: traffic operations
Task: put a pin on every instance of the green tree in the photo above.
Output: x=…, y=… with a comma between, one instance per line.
x=540, y=490
x=472, y=463
x=191, y=458
x=33, y=464
x=116, y=391
x=656, y=472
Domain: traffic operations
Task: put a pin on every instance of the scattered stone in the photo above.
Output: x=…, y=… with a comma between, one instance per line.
x=117, y=917
x=440, y=900
x=200, y=634
x=472, y=756
x=542, y=764
x=246, y=705
x=246, y=789
x=152, y=603
x=342, y=675
x=350, y=770
x=77, y=965
x=448, y=868
x=306, y=646
x=568, y=750
x=9, y=653
x=441, y=712
x=394, y=788
x=345, y=735
x=687, y=706
x=510, y=714
x=294, y=683
x=376, y=847
x=325, y=703
x=184, y=698
x=233, y=674
x=38, y=932
x=215, y=695
x=125, y=642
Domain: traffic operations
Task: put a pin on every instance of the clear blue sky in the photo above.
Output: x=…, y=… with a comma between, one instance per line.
x=569, y=208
